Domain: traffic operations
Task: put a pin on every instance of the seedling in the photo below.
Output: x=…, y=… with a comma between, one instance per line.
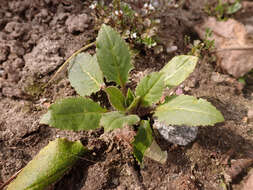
x=112, y=62
x=198, y=48
x=223, y=9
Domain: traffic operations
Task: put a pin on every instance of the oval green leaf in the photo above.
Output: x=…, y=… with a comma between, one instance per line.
x=178, y=69
x=116, y=98
x=85, y=75
x=113, y=55
x=74, y=114
x=49, y=165
x=114, y=120
x=188, y=110
x=150, y=88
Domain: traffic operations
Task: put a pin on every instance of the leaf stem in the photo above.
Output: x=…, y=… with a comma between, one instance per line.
x=124, y=89
x=67, y=61
x=10, y=180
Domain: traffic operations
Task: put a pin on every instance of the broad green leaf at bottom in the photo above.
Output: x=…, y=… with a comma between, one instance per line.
x=74, y=114
x=114, y=120
x=142, y=140
x=188, y=110
x=49, y=165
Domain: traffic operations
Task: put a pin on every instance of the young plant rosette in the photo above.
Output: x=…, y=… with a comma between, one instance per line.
x=112, y=62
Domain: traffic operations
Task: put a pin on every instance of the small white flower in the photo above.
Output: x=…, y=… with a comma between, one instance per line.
x=134, y=35
x=145, y=5
x=120, y=12
x=150, y=7
x=93, y=5
x=116, y=12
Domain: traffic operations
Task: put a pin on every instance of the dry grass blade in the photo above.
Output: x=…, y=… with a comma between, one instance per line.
x=9, y=180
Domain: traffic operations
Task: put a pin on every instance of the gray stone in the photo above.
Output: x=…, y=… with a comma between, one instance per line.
x=181, y=135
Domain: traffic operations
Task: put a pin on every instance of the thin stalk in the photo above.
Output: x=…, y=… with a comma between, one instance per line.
x=10, y=180
x=234, y=49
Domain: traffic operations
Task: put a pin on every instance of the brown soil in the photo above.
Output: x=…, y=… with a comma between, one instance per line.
x=35, y=39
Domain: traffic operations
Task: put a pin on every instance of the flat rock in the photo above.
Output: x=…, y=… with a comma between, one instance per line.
x=181, y=135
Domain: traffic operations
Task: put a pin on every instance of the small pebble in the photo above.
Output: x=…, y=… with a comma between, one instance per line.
x=171, y=49
x=158, y=49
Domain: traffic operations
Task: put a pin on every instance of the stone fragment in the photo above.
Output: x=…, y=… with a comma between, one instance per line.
x=181, y=135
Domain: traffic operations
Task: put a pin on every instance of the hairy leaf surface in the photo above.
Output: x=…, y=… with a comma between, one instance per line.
x=117, y=99
x=74, y=114
x=113, y=55
x=49, y=165
x=178, y=69
x=142, y=140
x=85, y=75
x=113, y=120
x=188, y=110
x=150, y=88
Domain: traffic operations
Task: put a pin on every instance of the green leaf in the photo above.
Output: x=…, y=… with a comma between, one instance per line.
x=150, y=88
x=234, y=8
x=142, y=140
x=85, y=75
x=49, y=165
x=74, y=114
x=134, y=104
x=117, y=99
x=129, y=97
x=188, y=110
x=178, y=69
x=113, y=55
x=154, y=152
x=45, y=119
x=113, y=120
